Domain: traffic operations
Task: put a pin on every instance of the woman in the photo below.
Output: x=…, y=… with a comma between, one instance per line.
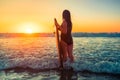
x=66, y=37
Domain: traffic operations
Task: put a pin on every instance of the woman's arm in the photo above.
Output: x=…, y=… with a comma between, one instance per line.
x=56, y=23
x=63, y=27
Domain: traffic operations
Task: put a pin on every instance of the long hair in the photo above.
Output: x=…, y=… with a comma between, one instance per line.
x=66, y=15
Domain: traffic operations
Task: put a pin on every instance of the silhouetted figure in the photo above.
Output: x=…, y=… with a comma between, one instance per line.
x=66, y=37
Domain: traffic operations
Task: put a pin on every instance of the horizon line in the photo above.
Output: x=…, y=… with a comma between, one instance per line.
x=52, y=32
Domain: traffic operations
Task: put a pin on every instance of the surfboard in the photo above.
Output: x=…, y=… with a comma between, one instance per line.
x=58, y=47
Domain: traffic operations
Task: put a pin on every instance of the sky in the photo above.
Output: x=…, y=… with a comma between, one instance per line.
x=38, y=15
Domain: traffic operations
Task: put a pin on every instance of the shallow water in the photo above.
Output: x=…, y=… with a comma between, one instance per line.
x=55, y=75
x=94, y=54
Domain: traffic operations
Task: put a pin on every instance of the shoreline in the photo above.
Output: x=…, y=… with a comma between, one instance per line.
x=55, y=73
x=31, y=70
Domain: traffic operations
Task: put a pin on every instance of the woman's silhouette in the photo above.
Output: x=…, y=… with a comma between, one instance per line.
x=66, y=37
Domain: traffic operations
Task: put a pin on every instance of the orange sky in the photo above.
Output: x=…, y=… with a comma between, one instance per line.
x=38, y=15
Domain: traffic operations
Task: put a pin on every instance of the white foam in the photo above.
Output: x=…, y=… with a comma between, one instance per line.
x=96, y=56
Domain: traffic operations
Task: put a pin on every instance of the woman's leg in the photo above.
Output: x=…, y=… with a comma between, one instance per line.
x=64, y=48
x=70, y=52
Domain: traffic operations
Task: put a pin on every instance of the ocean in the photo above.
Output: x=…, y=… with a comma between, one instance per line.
x=96, y=58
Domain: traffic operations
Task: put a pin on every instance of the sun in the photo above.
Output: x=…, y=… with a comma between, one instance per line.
x=29, y=31
x=30, y=27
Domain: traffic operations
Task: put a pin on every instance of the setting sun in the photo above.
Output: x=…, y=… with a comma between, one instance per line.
x=29, y=31
x=29, y=27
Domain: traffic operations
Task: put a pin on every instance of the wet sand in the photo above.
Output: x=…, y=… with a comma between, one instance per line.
x=53, y=74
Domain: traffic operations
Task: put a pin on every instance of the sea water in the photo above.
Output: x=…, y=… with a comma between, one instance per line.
x=93, y=54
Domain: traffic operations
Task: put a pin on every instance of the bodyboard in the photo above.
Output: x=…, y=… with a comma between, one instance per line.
x=58, y=47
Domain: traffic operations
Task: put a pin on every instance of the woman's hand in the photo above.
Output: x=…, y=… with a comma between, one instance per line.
x=55, y=21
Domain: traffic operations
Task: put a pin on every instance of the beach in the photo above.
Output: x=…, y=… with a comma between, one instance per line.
x=36, y=58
